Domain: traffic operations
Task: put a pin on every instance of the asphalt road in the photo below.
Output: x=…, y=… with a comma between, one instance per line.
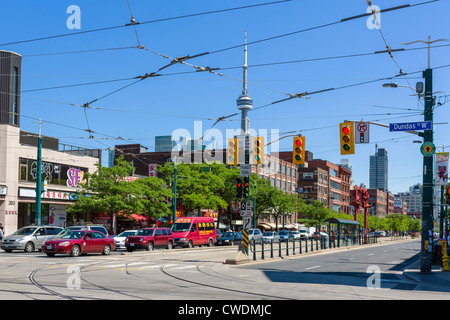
x=373, y=272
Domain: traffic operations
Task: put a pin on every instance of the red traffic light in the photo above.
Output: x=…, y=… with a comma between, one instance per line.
x=345, y=130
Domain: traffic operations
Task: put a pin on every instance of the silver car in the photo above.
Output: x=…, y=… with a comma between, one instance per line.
x=29, y=238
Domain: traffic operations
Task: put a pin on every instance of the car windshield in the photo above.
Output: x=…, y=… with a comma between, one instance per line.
x=145, y=232
x=25, y=231
x=302, y=231
x=127, y=234
x=181, y=226
x=72, y=235
x=283, y=232
x=268, y=234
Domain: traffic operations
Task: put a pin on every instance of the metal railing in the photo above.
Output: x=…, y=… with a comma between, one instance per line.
x=270, y=249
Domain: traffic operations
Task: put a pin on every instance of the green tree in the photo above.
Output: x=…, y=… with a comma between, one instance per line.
x=108, y=190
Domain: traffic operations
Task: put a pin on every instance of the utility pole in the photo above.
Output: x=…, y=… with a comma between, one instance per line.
x=427, y=189
x=37, y=216
x=175, y=172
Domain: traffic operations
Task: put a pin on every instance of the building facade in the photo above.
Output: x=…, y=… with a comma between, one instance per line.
x=413, y=200
x=63, y=167
x=63, y=172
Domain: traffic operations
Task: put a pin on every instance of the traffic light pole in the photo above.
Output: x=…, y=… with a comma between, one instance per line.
x=427, y=189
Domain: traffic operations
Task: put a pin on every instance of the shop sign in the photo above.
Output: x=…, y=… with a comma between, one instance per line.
x=75, y=177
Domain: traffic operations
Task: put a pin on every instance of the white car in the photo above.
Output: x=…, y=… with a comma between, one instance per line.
x=120, y=238
x=255, y=234
x=296, y=234
x=270, y=236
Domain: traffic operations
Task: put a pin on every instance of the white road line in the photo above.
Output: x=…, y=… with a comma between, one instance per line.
x=312, y=267
x=371, y=254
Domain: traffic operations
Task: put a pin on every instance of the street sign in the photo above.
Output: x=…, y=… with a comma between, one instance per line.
x=246, y=208
x=427, y=149
x=247, y=222
x=406, y=126
x=361, y=132
x=245, y=170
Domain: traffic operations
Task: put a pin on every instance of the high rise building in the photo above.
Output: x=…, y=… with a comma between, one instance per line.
x=378, y=174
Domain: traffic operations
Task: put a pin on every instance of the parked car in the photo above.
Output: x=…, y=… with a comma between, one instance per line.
x=194, y=231
x=150, y=238
x=255, y=234
x=270, y=236
x=96, y=227
x=285, y=235
x=304, y=234
x=120, y=238
x=229, y=237
x=296, y=234
x=29, y=238
x=76, y=242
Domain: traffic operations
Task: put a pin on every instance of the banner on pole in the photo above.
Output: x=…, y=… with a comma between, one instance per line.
x=441, y=178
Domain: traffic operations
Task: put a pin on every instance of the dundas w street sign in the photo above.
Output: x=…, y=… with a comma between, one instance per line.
x=406, y=126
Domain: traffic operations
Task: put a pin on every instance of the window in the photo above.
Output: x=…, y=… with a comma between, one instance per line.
x=15, y=113
x=98, y=235
x=308, y=175
x=158, y=232
x=164, y=233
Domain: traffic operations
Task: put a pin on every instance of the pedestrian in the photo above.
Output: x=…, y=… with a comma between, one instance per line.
x=1, y=231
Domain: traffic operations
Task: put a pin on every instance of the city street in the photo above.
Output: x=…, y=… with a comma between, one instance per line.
x=199, y=274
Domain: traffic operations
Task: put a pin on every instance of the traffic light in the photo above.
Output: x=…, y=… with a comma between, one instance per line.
x=447, y=194
x=258, y=150
x=239, y=188
x=246, y=189
x=347, y=138
x=232, y=151
x=298, y=153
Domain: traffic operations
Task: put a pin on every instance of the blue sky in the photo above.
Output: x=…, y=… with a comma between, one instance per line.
x=177, y=98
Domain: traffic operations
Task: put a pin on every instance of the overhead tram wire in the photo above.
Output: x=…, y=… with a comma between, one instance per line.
x=322, y=26
x=223, y=68
x=142, y=23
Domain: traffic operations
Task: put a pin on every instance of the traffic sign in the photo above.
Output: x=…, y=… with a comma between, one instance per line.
x=427, y=149
x=406, y=126
x=246, y=208
x=245, y=170
x=247, y=222
x=361, y=132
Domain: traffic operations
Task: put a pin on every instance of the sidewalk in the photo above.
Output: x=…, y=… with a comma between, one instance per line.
x=436, y=278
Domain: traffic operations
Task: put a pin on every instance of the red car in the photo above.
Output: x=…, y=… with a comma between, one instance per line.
x=79, y=242
x=150, y=238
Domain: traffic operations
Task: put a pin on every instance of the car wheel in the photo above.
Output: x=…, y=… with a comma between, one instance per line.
x=130, y=249
x=106, y=250
x=29, y=247
x=170, y=245
x=76, y=251
x=50, y=254
x=149, y=246
x=190, y=244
